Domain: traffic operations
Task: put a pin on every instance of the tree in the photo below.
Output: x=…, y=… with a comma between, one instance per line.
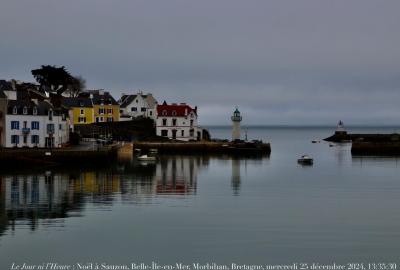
x=76, y=86
x=58, y=80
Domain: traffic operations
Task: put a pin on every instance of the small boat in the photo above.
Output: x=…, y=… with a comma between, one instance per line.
x=153, y=151
x=331, y=145
x=305, y=160
x=315, y=141
x=147, y=158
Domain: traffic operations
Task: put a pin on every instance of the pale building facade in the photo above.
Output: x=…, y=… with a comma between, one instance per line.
x=236, y=119
x=178, y=122
x=35, y=124
x=138, y=105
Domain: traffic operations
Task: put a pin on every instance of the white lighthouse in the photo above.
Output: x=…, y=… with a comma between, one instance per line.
x=236, y=119
x=340, y=128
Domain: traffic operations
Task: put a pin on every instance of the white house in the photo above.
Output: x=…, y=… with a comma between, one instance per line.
x=32, y=123
x=139, y=105
x=178, y=122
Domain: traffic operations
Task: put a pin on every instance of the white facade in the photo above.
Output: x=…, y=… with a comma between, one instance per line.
x=178, y=122
x=236, y=119
x=139, y=105
x=44, y=132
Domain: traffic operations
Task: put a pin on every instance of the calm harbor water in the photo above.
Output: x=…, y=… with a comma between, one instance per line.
x=209, y=209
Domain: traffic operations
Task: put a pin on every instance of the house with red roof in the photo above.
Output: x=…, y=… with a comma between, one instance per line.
x=178, y=122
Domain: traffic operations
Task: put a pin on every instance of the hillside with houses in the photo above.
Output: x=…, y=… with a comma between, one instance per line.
x=34, y=116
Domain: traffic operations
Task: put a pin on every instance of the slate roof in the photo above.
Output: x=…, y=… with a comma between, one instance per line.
x=5, y=85
x=128, y=99
x=42, y=107
x=100, y=97
x=77, y=102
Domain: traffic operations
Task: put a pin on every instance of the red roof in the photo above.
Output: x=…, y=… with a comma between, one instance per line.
x=179, y=110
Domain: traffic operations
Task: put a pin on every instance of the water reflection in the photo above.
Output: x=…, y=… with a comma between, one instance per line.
x=235, y=182
x=54, y=195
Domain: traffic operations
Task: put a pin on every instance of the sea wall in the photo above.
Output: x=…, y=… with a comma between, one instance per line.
x=364, y=137
x=376, y=148
x=57, y=156
x=205, y=148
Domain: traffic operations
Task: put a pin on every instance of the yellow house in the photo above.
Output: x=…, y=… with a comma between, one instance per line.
x=80, y=110
x=105, y=107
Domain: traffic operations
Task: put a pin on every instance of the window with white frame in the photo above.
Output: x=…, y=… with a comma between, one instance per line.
x=34, y=125
x=14, y=124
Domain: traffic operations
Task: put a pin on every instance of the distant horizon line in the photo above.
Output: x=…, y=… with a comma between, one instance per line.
x=305, y=126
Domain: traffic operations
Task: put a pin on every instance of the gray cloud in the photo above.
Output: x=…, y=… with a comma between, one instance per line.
x=289, y=62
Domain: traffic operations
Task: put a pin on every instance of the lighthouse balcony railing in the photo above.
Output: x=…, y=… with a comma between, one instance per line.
x=236, y=118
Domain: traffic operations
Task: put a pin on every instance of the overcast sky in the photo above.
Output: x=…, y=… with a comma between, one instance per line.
x=281, y=62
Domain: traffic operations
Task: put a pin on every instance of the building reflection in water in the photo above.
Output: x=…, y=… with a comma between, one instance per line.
x=51, y=196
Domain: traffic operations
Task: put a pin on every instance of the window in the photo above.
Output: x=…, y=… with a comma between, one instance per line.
x=82, y=112
x=14, y=139
x=109, y=119
x=110, y=110
x=34, y=110
x=101, y=110
x=137, y=101
x=25, y=139
x=101, y=119
x=50, y=128
x=143, y=109
x=173, y=113
x=151, y=113
x=35, y=139
x=191, y=132
x=25, y=124
x=14, y=124
x=82, y=119
x=182, y=133
x=174, y=122
x=164, y=112
x=50, y=115
x=164, y=122
x=15, y=110
x=25, y=110
x=164, y=133
x=121, y=111
x=133, y=109
x=60, y=126
x=34, y=125
x=191, y=123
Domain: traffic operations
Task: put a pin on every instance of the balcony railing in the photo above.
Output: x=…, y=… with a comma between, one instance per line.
x=26, y=130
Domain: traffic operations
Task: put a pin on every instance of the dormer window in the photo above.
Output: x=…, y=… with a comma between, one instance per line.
x=15, y=110
x=34, y=111
x=173, y=113
x=164, y=112
x=25, y=110
x=50, y=115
